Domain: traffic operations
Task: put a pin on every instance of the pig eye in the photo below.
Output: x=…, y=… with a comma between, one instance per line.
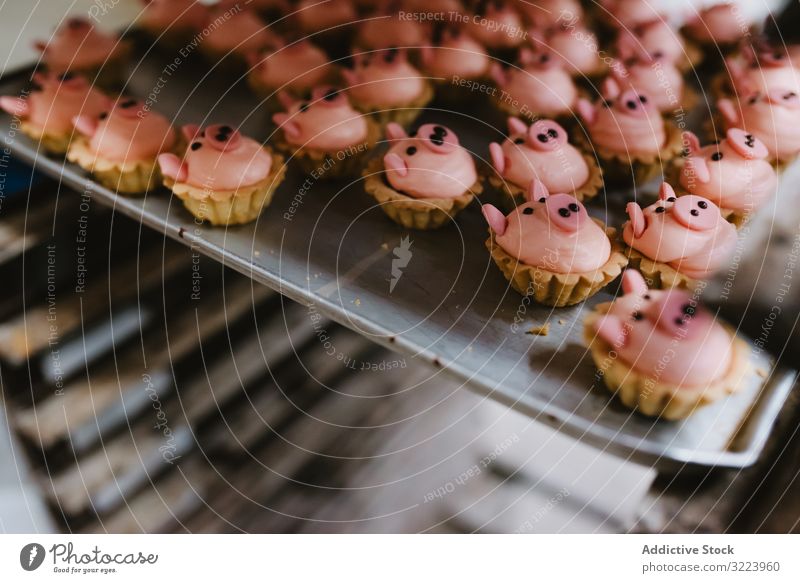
x=688, y=309
x=753, y=100
x=658, y=54
x=519, y=141
x=331, y=94
x=716, y=156
x=196, y=146
x=660, y=209
x=671, y=199
x=631, y=104
x=544, y=59
x=304, y=107
x=790, y=95
x=638, y=316
x=128, y=103
x=103, y=115
x=391, y=55
x=680, y=321
x=411, y=150
x=527, y=211
x=647, y=296
x=68, y=76
x=642, y=99
x=543, y=199
x=702, y=204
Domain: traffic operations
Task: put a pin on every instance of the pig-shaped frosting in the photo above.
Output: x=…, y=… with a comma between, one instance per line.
x=627, y=14
x=496, y=24
x=721, y=23
x=54, y=100
x=165, y=16
x=686, y=233
x=428, y=163
x=655, y=39
x=540, y=86
x=127, y=133
x=665, y=335
x=660, y=80
x=734, y=174
x=386, y=29
x=553, y=232
x=541, y=152
x=547, y=13
x=218, y=158
x=761, y=71
x=383, y=79
x=239, y=33
x=454, y=53
x=297, y=66
x=325, y=122
x=77, y=45
x=314, y=16
x=625, y=122
x=575, y=45
x=773, y=118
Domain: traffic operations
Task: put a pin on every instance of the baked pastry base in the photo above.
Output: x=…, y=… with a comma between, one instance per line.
x=651, y=396
x=404, y=115
x=230, y=207
x=53, y=143
x=558, y=289
x=659, y=275
x=414, y=213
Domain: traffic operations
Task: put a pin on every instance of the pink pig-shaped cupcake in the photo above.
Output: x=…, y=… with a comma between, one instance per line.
x=425, y=178
x=761, y=71
x=734, y=174
x=658, y=79
x=294, y=67
x=574, y=44
x=662, y=352
x=496, y=24
x=659, y=41
x=325, y=133
x=551, y=249
x=384, y=84
x=48, y=108
x=542, y=152
x=224, y=177
x=773, y=118
x=719, y=26
x=678, y=240
x=540, y=86
x=454, y=54
x=119, y=147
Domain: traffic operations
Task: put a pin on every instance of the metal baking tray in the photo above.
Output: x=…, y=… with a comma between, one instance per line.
x=451, y=306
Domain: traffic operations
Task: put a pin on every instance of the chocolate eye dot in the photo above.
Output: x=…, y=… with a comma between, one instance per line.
x=519, y=141
x=542, y=199
x=573, y=207
x=638, y=316
x=527, y=211
x=687, y=309
x=564, y=212
x=694, y=212
x=330, y=95
x=642, y=99
x=680, y=321
x=671, y=199
x=411, y=150
x=542, y=138
x=702, y=204
x=127, y=103
x=660, y=209
x=196, y=146
x=103, y=115
x=630, y=104
x=716, y=156
x=304, y=107
x=647, y=296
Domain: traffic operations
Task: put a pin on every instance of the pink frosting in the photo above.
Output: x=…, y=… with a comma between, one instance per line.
x=55, y=100
x=655, y=39
x=576, y=47
x=240, y=33
x=540, y=152
x=661, y=81
x=772, y=118
x=666, y=335
x=626, y=122
x=218, y=158
x=455, y=53
x=383, y=79
x=720, y=23
x=298, y=66
x=497, y=25
x=77, y=45
x=381, y=31
x=687, y=233
x=429, y=163
x=173, y=15
x=326, y=122
x=630, y=13
x=314, y=16
x=541, y=87
x=127, y=133
x=734, y=174
x=553, y=232
x=751, y=73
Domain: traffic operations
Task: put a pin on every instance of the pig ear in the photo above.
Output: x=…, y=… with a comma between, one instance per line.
x=636, y=217
x=537, y=190
x=14, y=105
x=516, y=126
x=610, y=88
x=394, y=131
x=692, y=142
x=728, y=111
x=85, y=124
x=586, y=110
x=665, y=191
x=497, y=74
x=190, y=131
x=610, y=329
x=498, y=157
x=633, y=283
x=497, y=220
x=290, y=128
x=285, y=99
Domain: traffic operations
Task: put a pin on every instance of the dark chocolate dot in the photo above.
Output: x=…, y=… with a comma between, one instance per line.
x=647, y=296
x=630, y=104
x=642, y=99
x=543, y=199
x=694, y=212
x=304, y=107
x=716, y=156
x=411, y=150
x=688, y=309
x=552, y=133
x=638, y=316
x=519, y=141
x=573, y=207
x=68, y=76
x=660, y=209
x=220, y=137
x=439, y=130
x=542, y=138
x=330, y=95
x=437, y=139
x=527, y=211
x=564, y=212
x=680, y=321
x=671, y=199
x=128, y=103
x=702, y=204
x=103, y=115
x=196, y=146
x=226, y=129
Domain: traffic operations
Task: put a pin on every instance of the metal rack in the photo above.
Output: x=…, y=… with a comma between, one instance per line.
x=330, y=247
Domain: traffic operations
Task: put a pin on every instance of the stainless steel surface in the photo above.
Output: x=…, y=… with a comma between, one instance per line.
x=451, y=307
